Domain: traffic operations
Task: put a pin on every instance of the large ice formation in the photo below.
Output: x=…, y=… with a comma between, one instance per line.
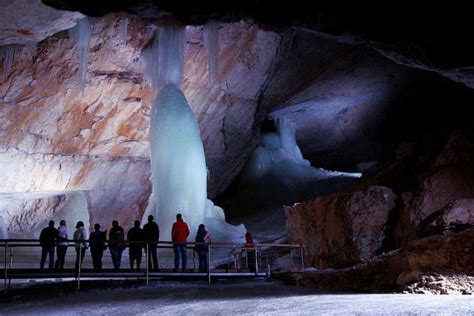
x=3, y=229
x=277, y=174
x=179, y=173
x=82, y=35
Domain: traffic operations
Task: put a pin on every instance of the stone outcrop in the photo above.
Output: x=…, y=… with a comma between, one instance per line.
x=451, y=254
x=341, y=229
x=443, y=194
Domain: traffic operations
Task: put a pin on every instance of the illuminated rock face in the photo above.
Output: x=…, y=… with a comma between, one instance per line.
x=54, y=139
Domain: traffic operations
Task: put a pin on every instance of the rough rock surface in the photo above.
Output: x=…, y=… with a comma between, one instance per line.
x=341, y=229
x=442, y=284
x=30, y=21
x=445, y=254
x=54, y=138
x=445, y=189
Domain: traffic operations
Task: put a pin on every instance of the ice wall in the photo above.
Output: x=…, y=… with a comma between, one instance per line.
x=75, y=209
x=82, y=35
x=211, y=43
x=163, y=60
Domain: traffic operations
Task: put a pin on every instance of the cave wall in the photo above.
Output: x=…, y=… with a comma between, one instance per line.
x=54, y=138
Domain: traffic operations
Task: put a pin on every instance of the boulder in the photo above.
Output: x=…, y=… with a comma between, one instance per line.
x=341, y=229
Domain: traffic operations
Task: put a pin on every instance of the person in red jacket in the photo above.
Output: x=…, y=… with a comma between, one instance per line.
x=179, y=235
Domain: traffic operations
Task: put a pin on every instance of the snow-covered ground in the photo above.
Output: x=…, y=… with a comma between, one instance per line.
x=227, y=298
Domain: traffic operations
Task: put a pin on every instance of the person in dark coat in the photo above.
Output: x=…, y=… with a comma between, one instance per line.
x=202, y=241
x=116, y=244
x=48, y=238
x=151, y=232
x=61, y=248
x=135, y=249
x=179, y=235
x=97, y=244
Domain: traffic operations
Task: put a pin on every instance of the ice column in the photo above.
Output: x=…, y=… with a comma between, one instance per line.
x=211, y=43
x=82, y=34
x=163, y=60
x=178, y=162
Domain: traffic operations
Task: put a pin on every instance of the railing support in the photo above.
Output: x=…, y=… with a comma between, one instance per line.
x=79, y=261
x=6, y=268
x=147, y=258
x=256, y=261
x=302, y=257
x=209, y=263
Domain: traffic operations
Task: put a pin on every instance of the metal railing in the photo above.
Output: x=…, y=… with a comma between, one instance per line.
x=21, y=256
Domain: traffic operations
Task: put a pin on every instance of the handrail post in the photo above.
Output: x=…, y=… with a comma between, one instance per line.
x=6, y=269
x=79, y=261
x=209, y=263
x=147, y=256
x=256, y=261
x=302, y=257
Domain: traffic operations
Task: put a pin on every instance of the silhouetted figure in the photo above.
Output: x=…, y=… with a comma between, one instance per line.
x=61, y=249
x=151, y=232
x=135, y=249
x=48, y=239
x=80, y=235
x=116, y=244
x=202, y=237
x=179, y=235
x=97, y=243
x=249, y=244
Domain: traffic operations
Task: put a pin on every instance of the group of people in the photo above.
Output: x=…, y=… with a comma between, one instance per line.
x=138, y=239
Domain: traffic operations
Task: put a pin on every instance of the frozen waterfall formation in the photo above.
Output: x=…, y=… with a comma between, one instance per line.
x=179, y=173
x=277, y=174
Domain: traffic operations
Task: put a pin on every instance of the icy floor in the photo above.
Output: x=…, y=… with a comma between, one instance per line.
x=228, y=298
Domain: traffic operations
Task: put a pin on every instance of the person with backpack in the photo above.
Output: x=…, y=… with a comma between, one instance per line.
x=47, y=240
x=179, y=235
x=116, y=244
x=97, y=243
x=61, y=248
x=135, y=236
x=151, y=232
x=203, y=239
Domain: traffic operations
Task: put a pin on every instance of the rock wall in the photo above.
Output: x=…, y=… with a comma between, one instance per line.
x=54, y=138
x=341, y=229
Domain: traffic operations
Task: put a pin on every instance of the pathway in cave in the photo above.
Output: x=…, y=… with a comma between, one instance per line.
x=224, y=297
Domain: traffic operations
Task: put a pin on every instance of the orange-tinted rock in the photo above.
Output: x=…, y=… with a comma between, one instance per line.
x=341, y=229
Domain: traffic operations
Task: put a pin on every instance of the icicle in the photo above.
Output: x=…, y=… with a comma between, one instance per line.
x=8, y=54
x=123, y=31
x=163, y=60
x=82, y=34
x=211, y=43
x=110, y=35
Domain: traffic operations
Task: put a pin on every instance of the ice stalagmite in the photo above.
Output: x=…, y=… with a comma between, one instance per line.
x=177, y=159
x=179, y=172
x=82, y=34
x=211, y=43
